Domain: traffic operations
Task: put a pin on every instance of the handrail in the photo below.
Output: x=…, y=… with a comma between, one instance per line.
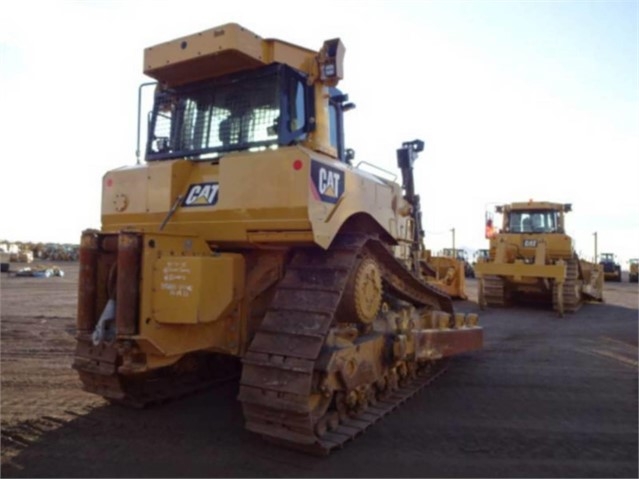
x=137, y=150
x=377, y=168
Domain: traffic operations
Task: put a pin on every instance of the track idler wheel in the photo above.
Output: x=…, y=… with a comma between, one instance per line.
x=363, y=294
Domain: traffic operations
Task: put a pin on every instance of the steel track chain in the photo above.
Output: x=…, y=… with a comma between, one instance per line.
x=494, y=291
x=572, y=296
x=312, y=287
x=278, y=373
x=99, y=375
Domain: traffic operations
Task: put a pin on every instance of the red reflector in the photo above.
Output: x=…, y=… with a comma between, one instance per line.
x=109, y=182
x=297, y=165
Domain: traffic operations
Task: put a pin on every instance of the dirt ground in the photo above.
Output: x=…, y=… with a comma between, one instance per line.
x=546, y=397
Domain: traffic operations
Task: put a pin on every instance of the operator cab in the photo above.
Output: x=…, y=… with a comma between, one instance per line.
x=533, y=221
x=265, y=108
x=607, y=258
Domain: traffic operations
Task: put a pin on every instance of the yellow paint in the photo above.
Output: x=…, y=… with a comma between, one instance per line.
x=170, y=324
x=219, y=51
x=449, y=275
x=520, y=269
x=183, y=288
x=527, y=261
x=204, y=223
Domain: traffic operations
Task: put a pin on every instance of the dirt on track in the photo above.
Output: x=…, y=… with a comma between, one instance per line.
x=546, y=397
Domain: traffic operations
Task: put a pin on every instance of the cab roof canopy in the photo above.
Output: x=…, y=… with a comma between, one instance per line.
x=535, y=205
x=227, y=49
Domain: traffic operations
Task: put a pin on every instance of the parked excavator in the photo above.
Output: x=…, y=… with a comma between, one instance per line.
x=532, y=259
x=248, y=244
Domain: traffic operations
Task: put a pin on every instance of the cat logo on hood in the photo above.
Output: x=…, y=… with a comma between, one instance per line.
x=327, y=183
x=202, y=194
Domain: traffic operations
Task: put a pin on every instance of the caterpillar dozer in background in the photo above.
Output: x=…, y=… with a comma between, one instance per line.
x=5, y=262
x=611, y=267
x=633, y=270
x=462, y=256
x=247, y=244
x=445, y=273
x=480, y=255
x=532, y=259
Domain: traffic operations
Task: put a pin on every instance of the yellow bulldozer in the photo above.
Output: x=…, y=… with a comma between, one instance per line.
x=248, y=245
x=5, y=262
x=445, y=272
x=462, y=256
x=611, y=267
x=532, y=259
x=480, y=255
x=633, y=270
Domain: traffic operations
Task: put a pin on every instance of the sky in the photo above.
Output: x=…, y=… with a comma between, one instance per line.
x=514, y=100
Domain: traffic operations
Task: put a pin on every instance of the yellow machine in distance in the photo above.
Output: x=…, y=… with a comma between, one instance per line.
x=633, y=270
x=611, y=267
x=481, y=255
x=446, y=273
x=247, y=243
x=533, y=259
x=462, y=256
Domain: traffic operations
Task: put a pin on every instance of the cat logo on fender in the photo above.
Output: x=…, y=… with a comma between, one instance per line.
x=327, y=184
x=201, y=194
